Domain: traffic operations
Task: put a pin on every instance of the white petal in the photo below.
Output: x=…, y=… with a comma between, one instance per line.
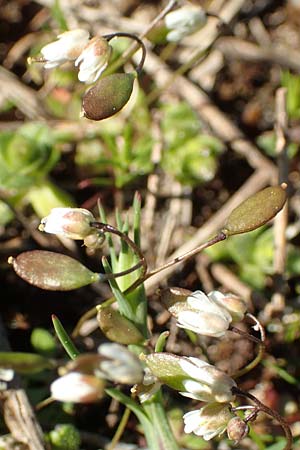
x=191, y=421
x=197, y=371
x=207, y=324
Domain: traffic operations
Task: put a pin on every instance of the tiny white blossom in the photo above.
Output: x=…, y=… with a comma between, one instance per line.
x=77, y=388
x=209, y=421
x=184, y=21
x=93, y=60
x=201, y=314
x=206, y=382
x=119, y=365
x=67, y=47
x=73, y=223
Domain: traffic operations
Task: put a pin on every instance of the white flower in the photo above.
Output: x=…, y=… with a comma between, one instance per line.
x=184, y=21
x=93, y=60
x=193, y=377
x=233, y=304
x=119, y=365
x=73, y=223
x=201, y=314
x=209, y=421
x=206, y=382
x=77, y=388
x=66, y=48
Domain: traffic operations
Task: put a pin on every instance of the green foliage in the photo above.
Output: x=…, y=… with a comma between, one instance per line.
x=267, y=142
x=26, y=156
x=292, y=83
x=65, y=437
x=24, y=362
x=6, y=214
x=190, y=156
x=122, y=151
x=253, y=253
x=42, y=341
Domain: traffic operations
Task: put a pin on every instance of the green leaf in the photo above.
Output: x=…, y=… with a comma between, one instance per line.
x=25, y=362
x=64, y=338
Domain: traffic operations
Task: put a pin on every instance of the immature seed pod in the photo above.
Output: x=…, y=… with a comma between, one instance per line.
x=256, y=210
x=52, y=271
x=108, y=96
x=118, y=328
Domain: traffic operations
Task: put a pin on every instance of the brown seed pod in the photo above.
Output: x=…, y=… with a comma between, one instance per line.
x=108, y=96
x=256, y=210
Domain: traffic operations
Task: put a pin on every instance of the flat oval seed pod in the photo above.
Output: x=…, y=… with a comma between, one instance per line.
x=108, y=96
x=256, y=210
x=52, y=271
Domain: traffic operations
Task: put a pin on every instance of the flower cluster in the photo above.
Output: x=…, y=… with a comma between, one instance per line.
x=208, y=315
x=90, y=55
x=198, y=380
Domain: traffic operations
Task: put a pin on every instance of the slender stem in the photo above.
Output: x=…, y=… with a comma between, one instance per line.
x=120, y=430
x=139, y=68
x=92, y=312
x=47, y=401
x=271, y=413
x=132, y=49
x=218, y=238
x=142, y=261
x=165, y=439
x=260, y=342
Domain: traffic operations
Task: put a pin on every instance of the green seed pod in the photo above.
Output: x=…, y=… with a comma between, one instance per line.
x=118, y=328
x=52, y=271
x=256, y=210
x=108, y=96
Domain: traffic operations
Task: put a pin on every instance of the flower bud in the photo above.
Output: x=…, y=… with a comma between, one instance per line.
x=184, y=21
x=192, y=376
x=94, y=240
x=119, y=364
x=209, y=421
x=256, y=210
x=52, y=271
x=237, y=429
x=118, y=328
x=73, y=223
x=93, y=60
x=233, y=304
x=77, y=388
x=108, y=96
